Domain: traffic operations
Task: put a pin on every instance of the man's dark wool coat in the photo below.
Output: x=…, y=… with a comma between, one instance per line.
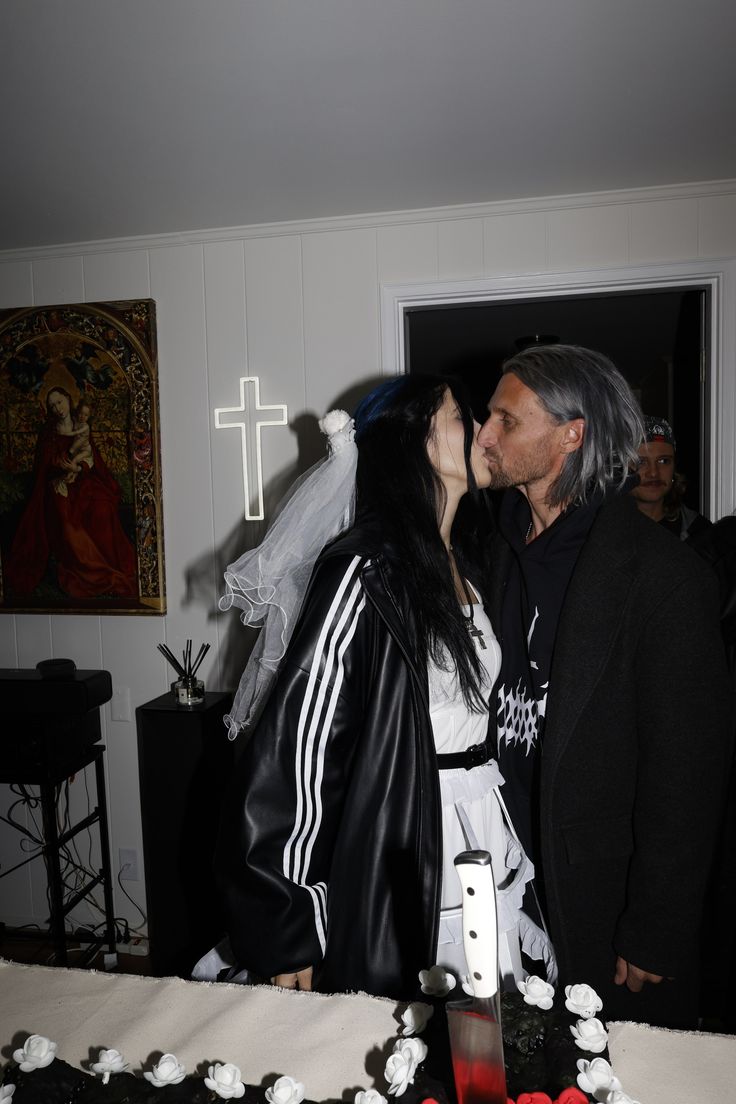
x=634, y=758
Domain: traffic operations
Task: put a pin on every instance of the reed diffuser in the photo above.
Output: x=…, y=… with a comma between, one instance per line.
x=188, y=689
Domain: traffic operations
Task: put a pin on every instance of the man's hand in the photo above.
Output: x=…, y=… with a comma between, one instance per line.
x=302, y=979
x=633, y=977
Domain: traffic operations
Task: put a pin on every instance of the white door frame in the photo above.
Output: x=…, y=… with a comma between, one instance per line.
x=720, y=373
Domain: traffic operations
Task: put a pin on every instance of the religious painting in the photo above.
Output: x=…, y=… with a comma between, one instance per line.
x=81, y=527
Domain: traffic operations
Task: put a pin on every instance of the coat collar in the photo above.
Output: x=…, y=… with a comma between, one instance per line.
x=381, y=587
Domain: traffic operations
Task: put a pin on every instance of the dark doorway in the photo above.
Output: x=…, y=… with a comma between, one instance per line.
x=656, y=338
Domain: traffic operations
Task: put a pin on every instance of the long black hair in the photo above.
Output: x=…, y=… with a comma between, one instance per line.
x=397, y=484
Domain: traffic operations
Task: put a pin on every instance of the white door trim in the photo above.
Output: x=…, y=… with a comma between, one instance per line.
x=719, y=276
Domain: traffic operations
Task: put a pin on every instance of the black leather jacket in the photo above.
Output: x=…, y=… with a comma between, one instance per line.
x=329, y=853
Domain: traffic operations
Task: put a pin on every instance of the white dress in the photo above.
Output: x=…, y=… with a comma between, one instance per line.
x=474, y=816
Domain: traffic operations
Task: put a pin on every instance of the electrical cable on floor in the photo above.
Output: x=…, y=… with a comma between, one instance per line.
x=75, y=871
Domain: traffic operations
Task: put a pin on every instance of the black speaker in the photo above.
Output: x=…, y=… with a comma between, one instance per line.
x=48, y=720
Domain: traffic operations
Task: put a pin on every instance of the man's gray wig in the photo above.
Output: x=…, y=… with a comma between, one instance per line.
x=573, y=382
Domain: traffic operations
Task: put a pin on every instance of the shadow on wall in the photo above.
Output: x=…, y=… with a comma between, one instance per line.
x=204, y=577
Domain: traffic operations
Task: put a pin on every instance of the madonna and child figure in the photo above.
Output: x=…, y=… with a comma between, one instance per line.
x=72, y=515
x=368, y=758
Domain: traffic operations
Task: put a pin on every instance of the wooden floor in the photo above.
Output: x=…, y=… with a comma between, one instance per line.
x=39, y=951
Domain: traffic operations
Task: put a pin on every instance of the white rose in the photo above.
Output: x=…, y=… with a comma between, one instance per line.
x=225, y=1080
x=436, y=982
x=590, y=1035
x=6, y=1093
x=109, y=1061
x=37, y=1053
x=597, y=1078
x=415, y=1018
x=399, y=1073
x=582, y=1000
x=285, y=1090
x=414, y=1050
x=167, y=1071
x=536, y=992
x=369, y=1096
x=619, y=1097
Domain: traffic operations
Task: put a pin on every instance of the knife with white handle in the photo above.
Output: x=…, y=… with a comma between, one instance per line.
x=480, y=929
x=475, y=1023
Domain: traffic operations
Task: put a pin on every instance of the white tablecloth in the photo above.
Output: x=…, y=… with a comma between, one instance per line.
x=330, y=1043
x=656, y=1066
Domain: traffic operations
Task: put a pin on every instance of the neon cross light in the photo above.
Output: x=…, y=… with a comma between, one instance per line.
x=250, y=409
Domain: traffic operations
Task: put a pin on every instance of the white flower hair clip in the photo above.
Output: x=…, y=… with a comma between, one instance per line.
x=369, y=1096
x=339, y=429
x=37, y=1052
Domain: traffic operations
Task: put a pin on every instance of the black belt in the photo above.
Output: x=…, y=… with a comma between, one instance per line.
x=473, y=756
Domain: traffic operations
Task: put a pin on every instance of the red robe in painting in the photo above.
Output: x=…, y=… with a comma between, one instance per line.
x=81, y=529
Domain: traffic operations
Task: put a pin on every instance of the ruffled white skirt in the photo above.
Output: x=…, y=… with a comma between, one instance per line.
x=474, y=816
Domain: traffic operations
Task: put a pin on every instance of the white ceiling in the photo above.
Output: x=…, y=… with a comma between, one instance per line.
x=127, y=117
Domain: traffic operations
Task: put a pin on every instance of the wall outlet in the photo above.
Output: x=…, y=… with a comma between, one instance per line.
x=120, y=704
x=128, y=865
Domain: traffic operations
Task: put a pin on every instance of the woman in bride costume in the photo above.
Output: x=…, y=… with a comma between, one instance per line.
x=367, y=762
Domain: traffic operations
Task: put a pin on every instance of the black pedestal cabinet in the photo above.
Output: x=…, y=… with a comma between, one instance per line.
x=184, y=763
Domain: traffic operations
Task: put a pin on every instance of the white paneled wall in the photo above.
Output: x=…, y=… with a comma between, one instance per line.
x=589, y=237
x=275, y=349
x=515, y=243
x=299, y=307
x=341, y=327
x=670, y=227
x=459, y=249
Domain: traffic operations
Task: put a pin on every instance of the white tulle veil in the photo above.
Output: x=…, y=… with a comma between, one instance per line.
x=268, y=583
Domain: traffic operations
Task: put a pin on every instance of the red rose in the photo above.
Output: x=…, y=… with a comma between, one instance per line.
x=572, y=1096
x=533, y=1098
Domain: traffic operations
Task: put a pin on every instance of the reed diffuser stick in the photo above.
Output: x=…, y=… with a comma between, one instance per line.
x=200, y=656
x=169, y=655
